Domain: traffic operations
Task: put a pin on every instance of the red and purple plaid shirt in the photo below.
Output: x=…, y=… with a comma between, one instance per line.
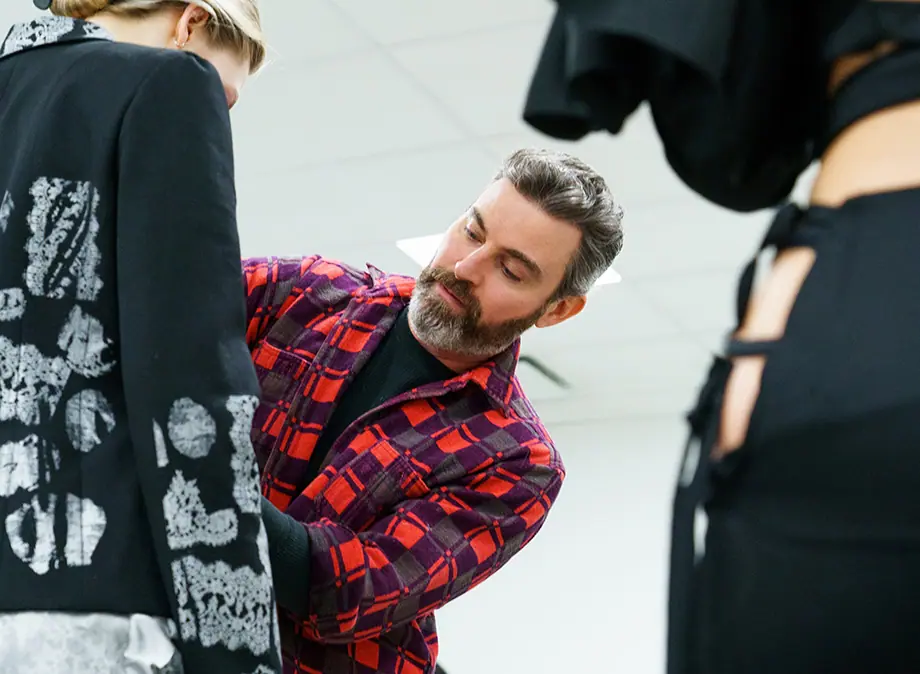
x=418, y=500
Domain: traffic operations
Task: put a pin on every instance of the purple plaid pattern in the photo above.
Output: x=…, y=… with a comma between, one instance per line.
x=418, y=501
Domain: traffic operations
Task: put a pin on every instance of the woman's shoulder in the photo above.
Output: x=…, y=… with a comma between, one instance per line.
x=121, y=73
x=146, y=62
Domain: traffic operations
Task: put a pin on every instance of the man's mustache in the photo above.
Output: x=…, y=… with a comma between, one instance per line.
x=462, y=290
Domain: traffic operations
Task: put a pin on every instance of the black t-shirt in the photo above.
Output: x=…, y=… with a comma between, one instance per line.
x=399, y=364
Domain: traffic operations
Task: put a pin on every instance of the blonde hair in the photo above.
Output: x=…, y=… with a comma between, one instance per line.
x=234, y=24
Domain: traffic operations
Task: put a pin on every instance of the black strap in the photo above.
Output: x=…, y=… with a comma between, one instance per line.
x=736, y=348
x=784, y=232
x=692, y=490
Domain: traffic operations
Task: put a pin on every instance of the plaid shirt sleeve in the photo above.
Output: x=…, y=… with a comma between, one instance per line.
x=271, y=286
x=428, y=550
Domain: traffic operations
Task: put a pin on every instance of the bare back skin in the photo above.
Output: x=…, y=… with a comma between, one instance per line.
x=879, y=153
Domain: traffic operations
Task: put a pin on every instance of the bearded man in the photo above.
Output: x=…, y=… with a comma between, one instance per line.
x=401, y=461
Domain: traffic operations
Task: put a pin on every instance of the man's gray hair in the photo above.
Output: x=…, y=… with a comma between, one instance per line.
x=566, y=188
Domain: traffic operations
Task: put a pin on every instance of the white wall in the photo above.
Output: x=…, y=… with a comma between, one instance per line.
x=589, y=593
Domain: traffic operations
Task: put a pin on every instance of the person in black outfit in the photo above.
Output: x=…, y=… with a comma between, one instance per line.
x=132, y=538
x=802, y=447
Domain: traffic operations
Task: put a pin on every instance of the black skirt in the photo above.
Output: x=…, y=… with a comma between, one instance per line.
x=811, y=557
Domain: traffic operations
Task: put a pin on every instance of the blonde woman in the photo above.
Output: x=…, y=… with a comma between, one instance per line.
x=131, y=537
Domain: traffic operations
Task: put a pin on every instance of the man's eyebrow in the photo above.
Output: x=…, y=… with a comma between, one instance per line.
x=532, y=266
x=477, y=216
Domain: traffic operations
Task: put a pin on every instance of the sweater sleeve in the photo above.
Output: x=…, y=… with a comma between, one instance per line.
x=289, y=551
x=189, y=382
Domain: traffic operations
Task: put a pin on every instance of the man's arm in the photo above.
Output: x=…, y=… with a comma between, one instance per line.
x=428, y=551
x=271, y=285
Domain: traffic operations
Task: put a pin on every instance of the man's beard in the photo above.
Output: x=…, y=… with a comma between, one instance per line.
x=459, y=331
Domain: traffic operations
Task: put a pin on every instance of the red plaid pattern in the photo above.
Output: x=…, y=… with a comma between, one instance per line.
x=419, y=500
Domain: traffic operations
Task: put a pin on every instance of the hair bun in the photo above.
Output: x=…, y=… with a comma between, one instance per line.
x=78, y=9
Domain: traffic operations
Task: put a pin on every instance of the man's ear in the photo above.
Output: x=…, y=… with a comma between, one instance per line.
x=562, y=310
